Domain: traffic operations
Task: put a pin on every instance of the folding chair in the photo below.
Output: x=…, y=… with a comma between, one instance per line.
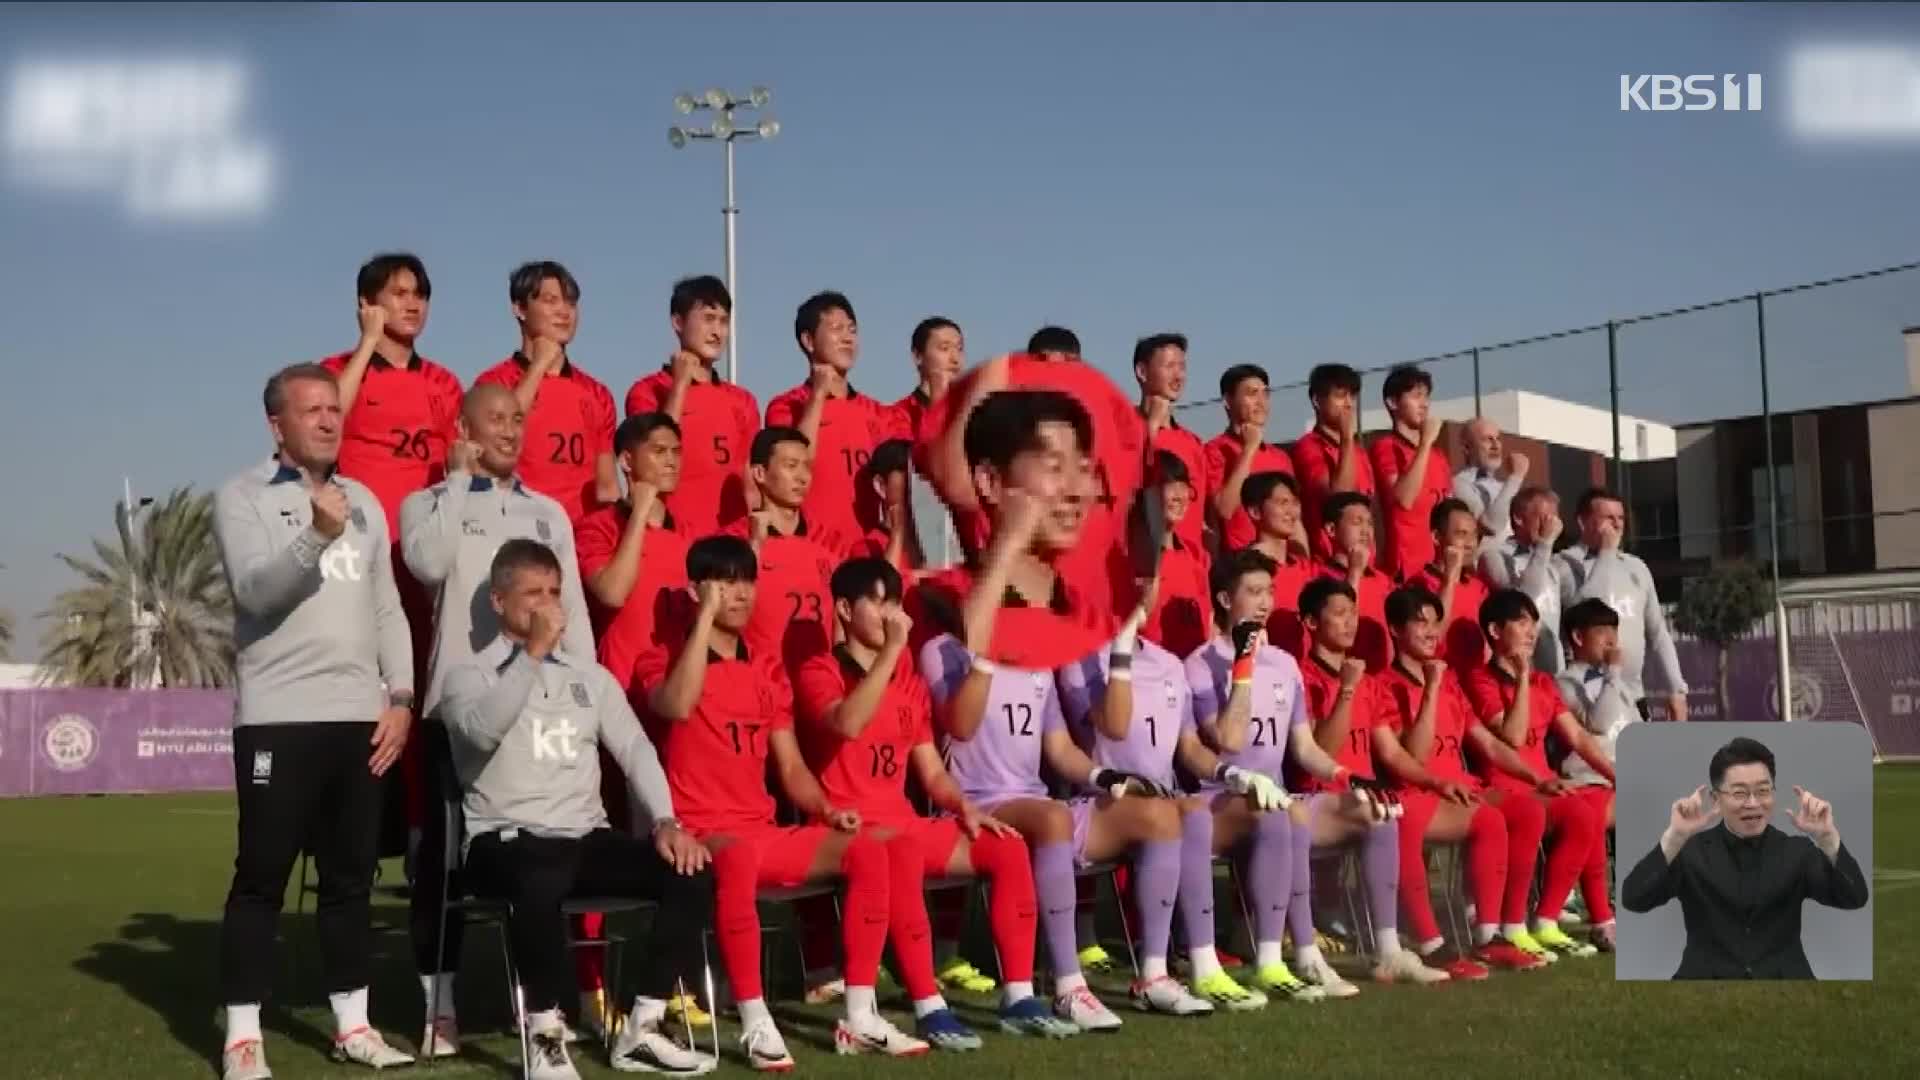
x=1345, y=861
x=1453, y=885
x=1111, y=871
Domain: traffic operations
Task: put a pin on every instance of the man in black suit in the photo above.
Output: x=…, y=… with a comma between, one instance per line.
x=1740, y=880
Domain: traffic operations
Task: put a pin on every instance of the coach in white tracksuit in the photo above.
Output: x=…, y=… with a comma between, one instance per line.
x=1596, y=567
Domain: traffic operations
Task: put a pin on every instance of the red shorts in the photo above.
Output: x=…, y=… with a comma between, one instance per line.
x=782, y=855
x=937, y=838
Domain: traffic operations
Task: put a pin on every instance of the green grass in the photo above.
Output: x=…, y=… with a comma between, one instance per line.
x=111, y=906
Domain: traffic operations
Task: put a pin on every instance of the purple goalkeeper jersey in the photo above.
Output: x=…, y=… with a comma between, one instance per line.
x=1162, y=710
x=1279, y=703
x=1002, y=761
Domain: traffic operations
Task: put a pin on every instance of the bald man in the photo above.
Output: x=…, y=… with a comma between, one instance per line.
x=1490, y=480
x=448, y=535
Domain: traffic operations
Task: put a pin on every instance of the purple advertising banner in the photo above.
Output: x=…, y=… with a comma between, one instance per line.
x=1870, y=678
x=88, y=742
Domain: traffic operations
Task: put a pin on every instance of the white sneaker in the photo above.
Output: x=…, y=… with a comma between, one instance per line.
x=766, y=1051
x=548, y=1049
x=365, y=1046
x=245, y=1060
x=1080, y=1006
x=640, y=1047
x=1166, y=995
x=1405, y=965
x=870, y=1033
x=441, y=1039
x=1321, y=974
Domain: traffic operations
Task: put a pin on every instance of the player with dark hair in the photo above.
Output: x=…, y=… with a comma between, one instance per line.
x=791, y=619
x=1054, y=343
x=570, y=415
x=1412, y=472
x=841, y=425
x=1452, y=575
x=1160, y=367
x=1272, y=500
x=1347, y=533
x=716, y=419
x=884, y=506
x=1242, y=450
x=1180, y=618
x=1595, y=693
x=1329, y=459
x=939, y=354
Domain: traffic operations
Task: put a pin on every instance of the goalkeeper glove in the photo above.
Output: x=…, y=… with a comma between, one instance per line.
x=1120, y=784
x=1257, y=787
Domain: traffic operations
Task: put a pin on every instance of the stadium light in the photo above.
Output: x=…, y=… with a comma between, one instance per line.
x=726, y=129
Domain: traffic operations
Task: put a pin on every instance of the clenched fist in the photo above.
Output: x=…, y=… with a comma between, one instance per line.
x=330, y=511
x=549, y=621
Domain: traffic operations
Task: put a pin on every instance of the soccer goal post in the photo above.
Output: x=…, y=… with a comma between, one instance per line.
x=1854, y=654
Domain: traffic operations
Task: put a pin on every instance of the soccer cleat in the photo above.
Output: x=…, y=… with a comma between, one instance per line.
x=245, y=1060
x=1556, y=939
x=1280, y=979
x=1508, y=956
x=1321, y=974
x=685, y=1009
x=872, y=1034
x=1221, y=989
x=1405, y=966
x=944, y=1031
x=641, y=1047
x=1087, y=1012
x=766, y=1051
x=964, y=977
x=365, y=1046
x=1575, y=912
x=826, y=991
x=1602, y=937
x=1528, y=944
x=1096, y=959
x=1164, y=994
x=441, y=1039
x=548, y=1050
x=1029, y=1016
x=1463, y=969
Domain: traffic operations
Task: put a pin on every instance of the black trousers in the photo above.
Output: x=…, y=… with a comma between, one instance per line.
x=536, y=873
x=301, y=786
x=423, y=905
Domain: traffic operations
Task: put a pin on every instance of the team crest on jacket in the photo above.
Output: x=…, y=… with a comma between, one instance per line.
x=1173, y=694
x=580, y=697
x=545, y=531
x=469, y=527
x=1040, y=679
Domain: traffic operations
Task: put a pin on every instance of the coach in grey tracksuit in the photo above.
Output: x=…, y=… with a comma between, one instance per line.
x=325, y=682
x=1597, y=567
x=1523, y=559
x=527, y=720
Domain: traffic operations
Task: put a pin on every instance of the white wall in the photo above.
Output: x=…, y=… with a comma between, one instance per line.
x=1536, y=416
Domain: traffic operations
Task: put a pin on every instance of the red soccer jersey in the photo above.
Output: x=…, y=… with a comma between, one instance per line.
x=1409, y=543
x=905, y=415
x=716, y=758
x=717, y=423
x=1284, y=629
x=850, y=428
x=1178, y=622
x=792, y=608
x=1315, y=456
x=568, y=428
x=1491, y=690
x=1037, y=638
x=867, y=773
x=1466, y=643
x=1185, y=445
x=1371, y=643
x=1323, y=690
x=1452, y=717
x=395, y=437
x=1222, y=454
x=874, y=546
x=659, y=585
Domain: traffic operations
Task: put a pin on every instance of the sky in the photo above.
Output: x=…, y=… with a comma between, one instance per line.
x=1287, y=185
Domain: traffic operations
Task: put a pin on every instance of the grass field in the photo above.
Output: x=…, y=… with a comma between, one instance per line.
x=111, y=906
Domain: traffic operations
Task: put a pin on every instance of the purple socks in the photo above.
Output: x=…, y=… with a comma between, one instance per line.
x=1196, y=877
x=1053, y=882
x=1156, y=881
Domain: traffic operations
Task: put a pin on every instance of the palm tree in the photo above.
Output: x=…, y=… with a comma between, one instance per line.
x=182, y=596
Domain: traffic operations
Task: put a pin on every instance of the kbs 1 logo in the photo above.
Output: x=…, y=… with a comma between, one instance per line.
x=1689, y=93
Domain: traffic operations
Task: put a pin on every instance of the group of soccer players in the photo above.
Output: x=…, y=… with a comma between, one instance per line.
x=802, y=698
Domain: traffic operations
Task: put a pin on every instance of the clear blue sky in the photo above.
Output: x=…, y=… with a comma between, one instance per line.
x=1287, y=185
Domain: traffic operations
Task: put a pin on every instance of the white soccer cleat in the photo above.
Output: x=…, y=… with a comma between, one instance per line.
x=766, y=1051
x=1166, y=995
x=1087, y=1012
x=1405, y=966
x=365, y=1046
x=441, y=1039
x=872, y=1034
x=1321, y=974
x=245, y=1060
x=548, y=1049
x=640, y=1047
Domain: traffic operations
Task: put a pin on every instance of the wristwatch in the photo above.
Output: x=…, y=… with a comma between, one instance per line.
x=400, y=699
x=665, y=823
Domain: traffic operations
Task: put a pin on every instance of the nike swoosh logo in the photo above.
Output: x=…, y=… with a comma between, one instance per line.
x=1058, y=911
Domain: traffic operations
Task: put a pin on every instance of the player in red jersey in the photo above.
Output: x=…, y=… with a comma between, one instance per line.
x=1272, y=501
x=790, y=617
x=885, y=509
x=939, y=354
x=1348, y=533
x=1444, y=803
x=1054, y=344
x=1329, y=459
x=1240, y=451
x=1411, y=470
x=729, y=712
x=717, y=419
x=1455, y=578
x=841, y=424
x=1521, y=706
x=1160, y=367
x=1181, y=617
x=570, y=415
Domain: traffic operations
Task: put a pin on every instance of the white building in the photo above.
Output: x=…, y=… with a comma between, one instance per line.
x=1551, y=420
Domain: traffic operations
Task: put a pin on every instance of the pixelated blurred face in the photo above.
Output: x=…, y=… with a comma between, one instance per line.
x=866, y=618
x=307, y=427
x=655, y=461
x=1280, y=514
x=703, y=331
x=530, y=589
x=1250, y=600
x=946, y=353
x=406, y=309
x=1514, y=638
x=1165, y=373
x=835, y=341
x=787, y=476
x=549, y=313
x=1176, y=499
x=1419, y=638
x=1053, y=472
x=1745, y=796
x=1411, y=407
x=496, y=424
x=1591, y=646
x=1352, y=528
x=1249, y=403
x=1336, y=624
